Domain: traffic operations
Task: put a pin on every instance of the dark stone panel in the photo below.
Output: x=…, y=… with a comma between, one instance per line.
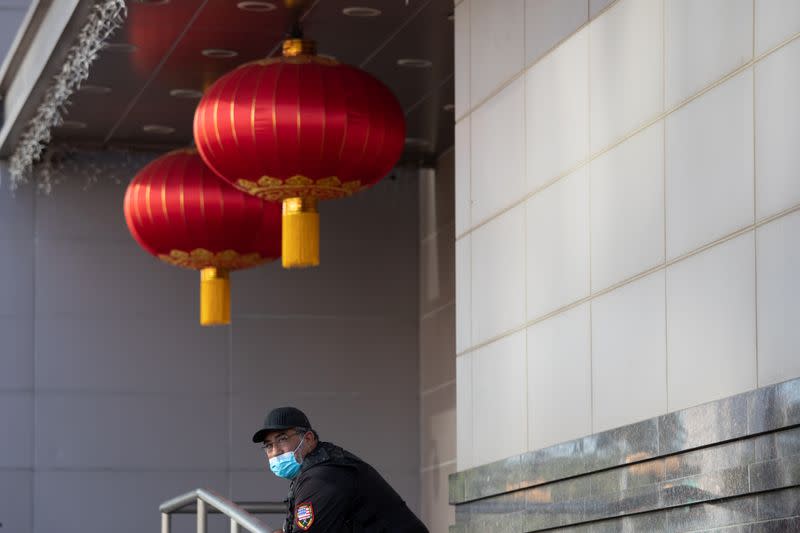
x=774, y=407
x=627, y=444
x=723, y=513
x=556, y=462
x=494, y=478
x=775, y=474
x=706, y=487
x=628, y=477
x=457, y=490
x=725, y=456
x=705, y=424
x=786, y=525
x=779, y=504
x=779, y=444
x=742, y=528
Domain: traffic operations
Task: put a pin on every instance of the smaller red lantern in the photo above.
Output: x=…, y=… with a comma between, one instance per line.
x=183, y=214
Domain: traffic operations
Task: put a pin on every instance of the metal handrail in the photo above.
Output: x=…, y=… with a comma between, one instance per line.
x=209, y=502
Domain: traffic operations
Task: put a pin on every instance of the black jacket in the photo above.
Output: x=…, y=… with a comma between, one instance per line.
x=336, y=492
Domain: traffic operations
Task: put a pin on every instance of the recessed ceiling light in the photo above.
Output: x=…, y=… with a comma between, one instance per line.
x=73, y=125
x=120, y=47
x=359, y=11
x=219, y=53
x=258, y=7
x=189, y=94
x=414, y=63
x=158, y=129
x=94, y=89
x=449, y=107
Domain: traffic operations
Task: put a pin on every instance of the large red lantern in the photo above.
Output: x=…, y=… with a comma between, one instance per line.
x=183, y=214
x=298, y=129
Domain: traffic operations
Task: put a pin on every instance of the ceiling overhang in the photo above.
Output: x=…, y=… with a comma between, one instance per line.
x=132, y=90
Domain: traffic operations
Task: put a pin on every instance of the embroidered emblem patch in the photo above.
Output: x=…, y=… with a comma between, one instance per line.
x=304, y=516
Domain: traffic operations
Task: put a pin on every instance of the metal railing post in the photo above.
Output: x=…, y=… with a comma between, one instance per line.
x=201, y=516
x=234, y=526
x=165, y=522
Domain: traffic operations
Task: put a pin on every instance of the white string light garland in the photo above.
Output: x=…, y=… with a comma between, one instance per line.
x=105, y=17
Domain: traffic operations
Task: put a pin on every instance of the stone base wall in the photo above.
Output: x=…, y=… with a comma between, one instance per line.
x=732, y=464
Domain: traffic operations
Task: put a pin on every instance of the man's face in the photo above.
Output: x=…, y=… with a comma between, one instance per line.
x=280, y=442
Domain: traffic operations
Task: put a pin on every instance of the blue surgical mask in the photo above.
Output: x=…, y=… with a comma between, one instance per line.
x=285, y=465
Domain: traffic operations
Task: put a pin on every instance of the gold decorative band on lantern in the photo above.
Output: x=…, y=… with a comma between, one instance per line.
x=293, y=206
x=201, y=258
x=300, y=243
x=299, y=47
x=215, y=297
x=275, y=189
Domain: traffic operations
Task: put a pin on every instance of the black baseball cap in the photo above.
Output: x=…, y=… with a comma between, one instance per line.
x=282, y=418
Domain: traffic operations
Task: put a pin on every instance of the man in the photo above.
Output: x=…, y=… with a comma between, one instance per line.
x=331, y=490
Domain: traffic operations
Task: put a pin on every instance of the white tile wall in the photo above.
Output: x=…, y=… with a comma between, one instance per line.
x=16, y=438
x=627, y=192
x=776, y=21
x=677, y=337
x=625, y=69
x=629, y=360
x=557, y=242
x=705, y=39
x=547, y=22
x=557, y=111
x=497, y=45
x=463, y=293
x=462, y=59
x=709, y=177
x=498, y=152
x=464, y=418
x=777, y=94
x=499, y=406
x=778, y=262
x=463, y=196
x=498, y=272
x=559, y=378
x=711, y=324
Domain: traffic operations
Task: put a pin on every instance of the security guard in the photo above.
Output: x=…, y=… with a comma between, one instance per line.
x=331, y=490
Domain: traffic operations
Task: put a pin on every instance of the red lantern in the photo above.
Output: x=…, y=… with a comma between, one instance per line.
x=180, y=212
x=298, y=129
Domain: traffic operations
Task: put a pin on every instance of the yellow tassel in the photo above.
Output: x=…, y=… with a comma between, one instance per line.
x=300, y=246
x=215, y=297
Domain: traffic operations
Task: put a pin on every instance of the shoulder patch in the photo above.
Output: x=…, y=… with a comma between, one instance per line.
x=304, y=515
